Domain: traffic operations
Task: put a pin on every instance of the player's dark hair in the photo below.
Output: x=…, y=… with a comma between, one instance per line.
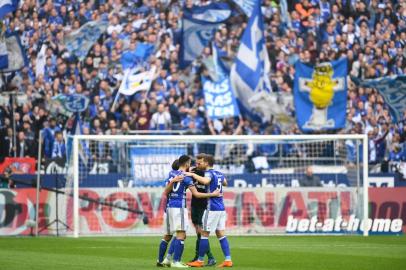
x=175, y=165
x=209, y=159
x=201, y=156
x=183, y=160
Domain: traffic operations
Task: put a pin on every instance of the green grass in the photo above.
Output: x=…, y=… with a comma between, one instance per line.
x=271, y=252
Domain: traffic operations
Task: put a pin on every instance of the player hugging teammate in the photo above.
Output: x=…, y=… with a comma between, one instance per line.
x=208, y=212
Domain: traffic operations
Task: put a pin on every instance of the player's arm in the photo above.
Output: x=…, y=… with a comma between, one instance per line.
x=225, y=183
x=200, y=195
x=201, y=179
x=172, y=181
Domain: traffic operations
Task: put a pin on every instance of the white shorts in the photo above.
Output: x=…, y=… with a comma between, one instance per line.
x=176, y=220
x=214, y=220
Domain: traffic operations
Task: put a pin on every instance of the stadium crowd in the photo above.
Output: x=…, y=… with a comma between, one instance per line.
x=372, y=34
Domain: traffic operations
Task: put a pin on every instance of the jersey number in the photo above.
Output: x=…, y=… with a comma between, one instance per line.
x=176, y=186
x=220, y=184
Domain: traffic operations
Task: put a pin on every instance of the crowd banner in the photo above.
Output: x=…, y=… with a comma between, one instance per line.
x=12, y=53
x=7, y=6
x=81, y=40
x=149, y=165
x=219, y=99
x=250, y=71
x=24, y=165
x=198, y=26
x=320, y=95
x=393, y=90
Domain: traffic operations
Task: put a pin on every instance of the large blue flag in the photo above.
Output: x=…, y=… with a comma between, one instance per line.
x=198, y=26
x=80, y=41
x=12, y=54
x=219, y=98
x=320, y=95
x=392, y=89
x=249, y=73
x=142, y=52
x=7, y=6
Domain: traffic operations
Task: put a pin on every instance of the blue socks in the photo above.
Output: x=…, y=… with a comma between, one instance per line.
x=203, y=247
x=162, y=250
x=171, y=248
x=179, y=245
x=225, y=247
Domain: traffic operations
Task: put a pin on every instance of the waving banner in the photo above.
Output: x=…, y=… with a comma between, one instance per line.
x=219, y=99
x=7, y=6
x=393, y=90
x=249, y=73
x=81, y=40
x=12, y=55
x=320, y=95
x=198, y=26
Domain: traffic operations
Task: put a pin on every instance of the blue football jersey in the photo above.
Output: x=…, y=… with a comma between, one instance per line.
x=177, y=196
x=216, y=182
x=171, y=175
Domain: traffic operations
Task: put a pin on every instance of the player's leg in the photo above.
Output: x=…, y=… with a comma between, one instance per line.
x=221, y=236
x=197, y=219
x=196, y=223
x=211, y=260
x=171, y=250
x=165, y=240
x=179, y=247
x=162, y=249
x=181, y=227
x=209, y=218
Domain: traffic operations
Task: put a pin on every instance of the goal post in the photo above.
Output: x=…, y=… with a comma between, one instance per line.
x=266, y=172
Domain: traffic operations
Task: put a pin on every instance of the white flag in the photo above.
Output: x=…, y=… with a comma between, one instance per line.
x=134, y=82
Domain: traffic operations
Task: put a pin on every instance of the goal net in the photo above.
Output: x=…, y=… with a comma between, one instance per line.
x=277, y=184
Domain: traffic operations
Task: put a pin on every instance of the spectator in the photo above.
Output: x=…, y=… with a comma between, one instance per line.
x=309, y=179
x=161, y=120
x=24, y=147
x=142, y=119
x=59, y=149
x=5, y=180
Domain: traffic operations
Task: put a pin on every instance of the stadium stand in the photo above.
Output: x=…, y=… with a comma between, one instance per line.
x=372, y=34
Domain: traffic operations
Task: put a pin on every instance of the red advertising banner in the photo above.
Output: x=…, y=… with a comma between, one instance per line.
x=249, y=211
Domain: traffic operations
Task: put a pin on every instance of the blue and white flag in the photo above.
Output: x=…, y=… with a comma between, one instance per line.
x=7, y=6
x=320, y=95
x=219, y=99
x=134, y=81
x=142, y=52
x=249, y=73
x=392, y=89
x=68, y=104
x=198, y=27
x=149, y=164
x=13, y=58
x=80, y=41
x=246, y=5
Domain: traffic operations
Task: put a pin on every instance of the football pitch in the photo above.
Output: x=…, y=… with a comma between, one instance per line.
x=267, y=252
